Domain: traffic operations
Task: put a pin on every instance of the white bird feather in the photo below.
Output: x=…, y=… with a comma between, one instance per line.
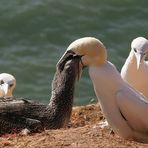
x=135, y=69
x=7, y=85
x=125, y=109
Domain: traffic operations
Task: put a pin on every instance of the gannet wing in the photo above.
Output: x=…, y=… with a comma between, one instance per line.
x=10, y=124
x=133, y=107
x=20, y=106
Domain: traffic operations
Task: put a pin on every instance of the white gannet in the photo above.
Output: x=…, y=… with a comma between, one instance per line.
x=124, y=108
x=135, y=69
x=7, y=84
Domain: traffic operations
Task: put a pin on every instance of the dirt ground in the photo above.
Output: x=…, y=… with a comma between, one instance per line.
x=82, y=132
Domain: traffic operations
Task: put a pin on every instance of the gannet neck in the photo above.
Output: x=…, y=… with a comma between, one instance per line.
x=107, y=76
x=107, y=83
x=60, y=105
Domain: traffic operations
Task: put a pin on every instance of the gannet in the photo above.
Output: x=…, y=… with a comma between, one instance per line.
x=7, y=85
x=17, y=114
x=135, y=69
x=124, y=108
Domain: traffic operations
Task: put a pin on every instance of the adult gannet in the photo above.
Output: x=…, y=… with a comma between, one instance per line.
x=7, y=84
x=124, y=108
x=17, y=114
x=135, y=69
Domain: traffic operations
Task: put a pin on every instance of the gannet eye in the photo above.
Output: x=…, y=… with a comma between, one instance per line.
x=135, y=50
x=1, y=82
x=10, y=85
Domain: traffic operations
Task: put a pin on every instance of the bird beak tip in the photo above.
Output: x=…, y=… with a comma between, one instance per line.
x=139, y=60
x=5, y=88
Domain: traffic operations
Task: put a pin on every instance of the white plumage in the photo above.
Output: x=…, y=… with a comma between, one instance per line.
x=125, y=109
x=7, y=84
x=135, y=69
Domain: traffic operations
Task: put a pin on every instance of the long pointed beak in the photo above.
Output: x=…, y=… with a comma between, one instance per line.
x=5, y=87
x=139, y=57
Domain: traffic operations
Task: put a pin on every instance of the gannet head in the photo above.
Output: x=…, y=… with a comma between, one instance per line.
x=140, y=48
x=7, y=84
x=91, y=50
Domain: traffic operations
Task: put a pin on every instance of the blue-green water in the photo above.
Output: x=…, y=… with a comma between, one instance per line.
x=35, y=33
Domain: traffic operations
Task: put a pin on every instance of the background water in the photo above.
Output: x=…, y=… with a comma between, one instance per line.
x=35, y=33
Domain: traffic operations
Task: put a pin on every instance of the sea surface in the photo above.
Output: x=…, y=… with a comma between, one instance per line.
x=35, y=33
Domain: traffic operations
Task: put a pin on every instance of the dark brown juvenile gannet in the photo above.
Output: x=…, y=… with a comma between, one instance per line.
x=17, y=114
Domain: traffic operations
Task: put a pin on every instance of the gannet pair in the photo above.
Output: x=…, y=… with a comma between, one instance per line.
x=7, y=84
x=135, y=69
x=124, y=108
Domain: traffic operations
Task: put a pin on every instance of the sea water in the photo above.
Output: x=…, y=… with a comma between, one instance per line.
x=35, y=33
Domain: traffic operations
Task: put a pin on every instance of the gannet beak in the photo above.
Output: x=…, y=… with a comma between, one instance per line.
x=5, y=87
x=139, y=57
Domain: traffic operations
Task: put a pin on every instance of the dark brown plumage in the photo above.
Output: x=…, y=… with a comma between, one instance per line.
x=17, y=114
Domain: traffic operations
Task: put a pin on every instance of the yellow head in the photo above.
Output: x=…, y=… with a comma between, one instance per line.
x=91, y=50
